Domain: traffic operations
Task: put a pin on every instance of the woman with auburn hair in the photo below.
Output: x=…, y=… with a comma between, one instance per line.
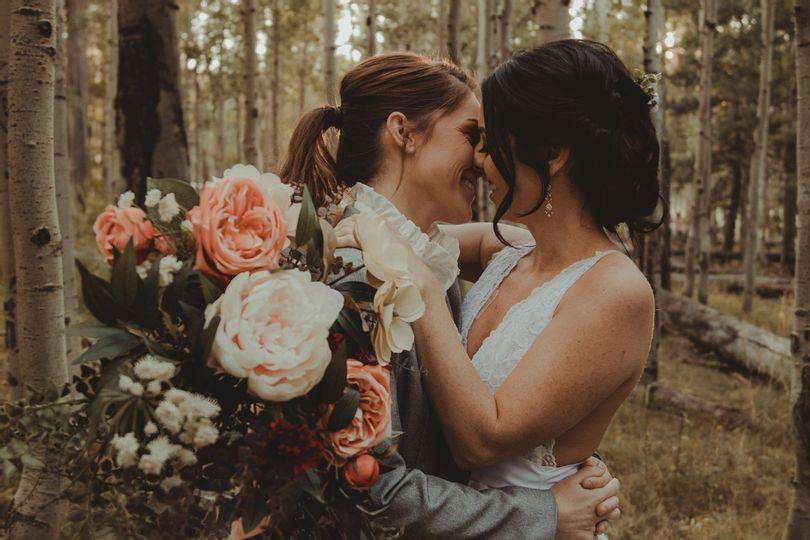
x=408, y=127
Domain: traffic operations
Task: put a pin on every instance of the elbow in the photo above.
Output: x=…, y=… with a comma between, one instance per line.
x=476, y=455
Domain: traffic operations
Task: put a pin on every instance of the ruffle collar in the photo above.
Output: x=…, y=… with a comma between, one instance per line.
x=439, y=251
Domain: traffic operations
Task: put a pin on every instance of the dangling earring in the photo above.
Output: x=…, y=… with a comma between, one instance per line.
x=548, y=208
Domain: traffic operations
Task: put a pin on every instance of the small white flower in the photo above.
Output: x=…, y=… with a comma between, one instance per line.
x=143, y=268
x=169, y=416
x=168, y=208
x=171, y=482
x=176, y=396
x=169, y=265
x=150, y=428
x=126, y=199
x=197, y=406
x=186, y=456
x=152, y=197
x=150, y=368
x=187, y=226
x=154, y=387
x=160, y=450
x=206, y=434
x=126, y=384
x=126, y=449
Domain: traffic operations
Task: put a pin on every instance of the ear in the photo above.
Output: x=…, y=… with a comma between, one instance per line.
x=399, y=129
x=560, y=161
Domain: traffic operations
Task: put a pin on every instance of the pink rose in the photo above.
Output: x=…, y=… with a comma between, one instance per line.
x=371, y=424
x=273, y=332
x=115, y=226
x=362, y=473
x=238, y=227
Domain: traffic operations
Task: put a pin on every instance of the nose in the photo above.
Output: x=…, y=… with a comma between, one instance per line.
x=478, y=157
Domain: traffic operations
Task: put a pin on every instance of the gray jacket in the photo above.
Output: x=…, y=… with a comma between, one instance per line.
x=425, y=491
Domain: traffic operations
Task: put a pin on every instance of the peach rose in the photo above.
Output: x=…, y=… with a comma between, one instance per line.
x=371, y=424
x=238, y=227
x=115, y=226
x=362, y=473
x=273, y=331
x=165, y=244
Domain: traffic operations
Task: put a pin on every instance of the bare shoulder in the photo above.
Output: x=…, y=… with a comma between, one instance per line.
x=615, y=287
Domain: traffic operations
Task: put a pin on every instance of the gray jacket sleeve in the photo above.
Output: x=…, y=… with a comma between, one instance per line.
x=431, y=507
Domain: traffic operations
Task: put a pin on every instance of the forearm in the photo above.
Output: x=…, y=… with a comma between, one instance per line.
x=478, y=242
x=468, y=412
x=430, y=507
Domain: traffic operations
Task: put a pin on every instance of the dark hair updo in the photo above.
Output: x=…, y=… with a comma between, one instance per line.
x=576, y=94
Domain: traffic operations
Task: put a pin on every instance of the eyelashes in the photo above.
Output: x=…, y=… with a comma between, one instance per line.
x=473, y=137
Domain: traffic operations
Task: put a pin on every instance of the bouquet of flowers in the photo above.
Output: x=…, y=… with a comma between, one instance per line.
x=237, y=381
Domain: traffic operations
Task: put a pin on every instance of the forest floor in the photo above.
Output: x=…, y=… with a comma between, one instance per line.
x=685, y=476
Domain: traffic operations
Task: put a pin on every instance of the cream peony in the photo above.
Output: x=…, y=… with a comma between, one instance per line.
x=397, y=301
x=273, y=331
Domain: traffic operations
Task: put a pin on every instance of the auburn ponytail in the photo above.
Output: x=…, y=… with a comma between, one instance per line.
x=421, y=88
x=308, y=158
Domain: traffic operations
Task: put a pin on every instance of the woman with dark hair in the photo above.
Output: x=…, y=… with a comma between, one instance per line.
x=408, y=127
x=557, y=328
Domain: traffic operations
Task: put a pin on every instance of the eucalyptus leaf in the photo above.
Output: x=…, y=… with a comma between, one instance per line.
x=307, y=220
x=124, y=278
x=359, y=291
x=97, y=295
x=185, y=195
x=92, y=328
x=330, y=389
x=208, y=336
x=109, y=347
x=349, y=320
x=344, y=410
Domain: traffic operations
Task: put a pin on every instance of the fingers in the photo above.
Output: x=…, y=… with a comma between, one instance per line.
x=602, y=526
x=607, y=506
x=596, y=482
x=587, y=471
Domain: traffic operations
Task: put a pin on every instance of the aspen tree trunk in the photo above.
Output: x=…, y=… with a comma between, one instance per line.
x=554, y=20
x=249, y=77
x=506, y=30
x=329, y=51
x=733, y=206
x=698, y=245
x=665, y=238
x=441, y=28
x=799, y=518
x=78, y=84
x=371, y=29
x=302, y=79
x=199, y=147
x=759, y=159
x=602, y=8
x=453, y=28
x=652, y=65
x=789, y=166
x=64, y=187
x=7, y=277
x=484, y=43
x=149, y=106
x=239, y=111
x=222, y=138
x=494, y=49
x=275, y=91
x=37, y=241
x=112, y=157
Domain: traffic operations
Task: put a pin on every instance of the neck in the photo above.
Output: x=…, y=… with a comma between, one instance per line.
x=411, y=204
x=570, y=234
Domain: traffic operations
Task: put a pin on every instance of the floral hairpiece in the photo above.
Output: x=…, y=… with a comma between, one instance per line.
x=648, y=82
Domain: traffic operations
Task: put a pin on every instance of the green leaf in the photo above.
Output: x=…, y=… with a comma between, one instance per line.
x=328, y=246
x=31, y=462
x=210, y=291
x=333, y=382
x=97, y=295
x=344, y=410
x=358, y=291
x=349, y=320
x=109, y=347
x=92, y=328
x=253, y=511
x=147, y=308
x=186, y=196
x=307, y=220
x=124, y=278
x=208, y=336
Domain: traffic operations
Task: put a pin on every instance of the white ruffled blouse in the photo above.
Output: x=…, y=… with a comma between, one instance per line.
x=439, y=251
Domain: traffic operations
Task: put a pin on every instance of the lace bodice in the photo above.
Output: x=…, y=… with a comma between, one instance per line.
x=503, y=348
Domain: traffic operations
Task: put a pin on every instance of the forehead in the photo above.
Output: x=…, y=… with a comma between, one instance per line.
x=468, y=108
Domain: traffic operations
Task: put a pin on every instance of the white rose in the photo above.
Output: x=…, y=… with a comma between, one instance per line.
x=152, y=197
x=168, y=208
x=273, y=331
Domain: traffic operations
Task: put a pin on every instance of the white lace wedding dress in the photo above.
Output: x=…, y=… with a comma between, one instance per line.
x=503, y=348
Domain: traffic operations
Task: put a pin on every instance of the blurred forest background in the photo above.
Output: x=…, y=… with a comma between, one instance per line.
x=185, y=88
